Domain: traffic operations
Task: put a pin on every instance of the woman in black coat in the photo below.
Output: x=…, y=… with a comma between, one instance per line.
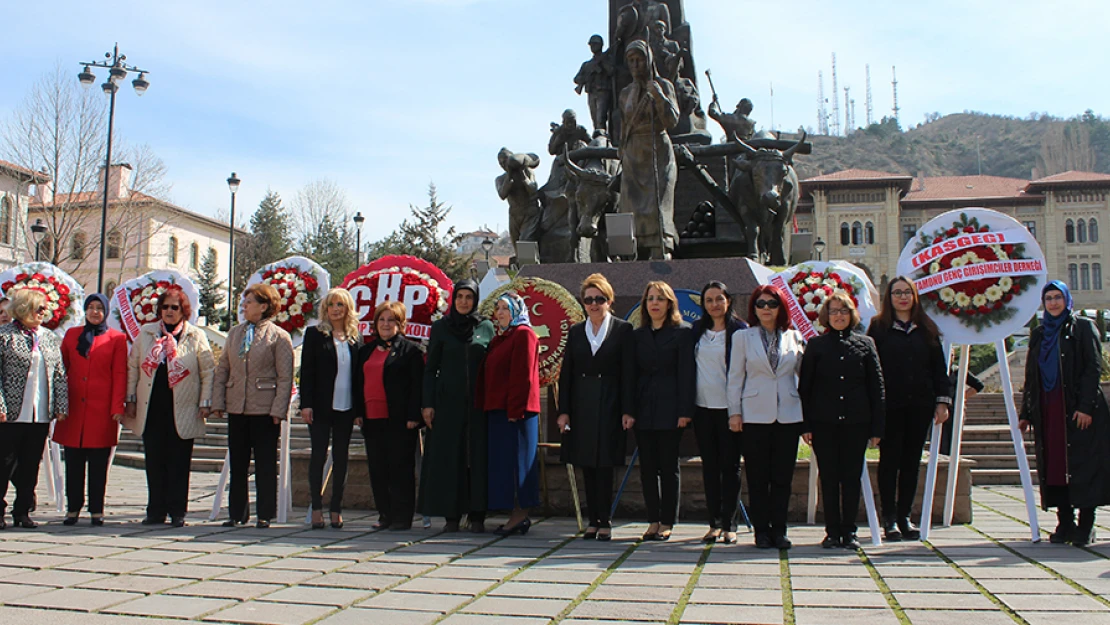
x=1069, y=415
x=841, y=385
x=328, y=361
x=664, y=402
x=915, y=373
x=389, y=378
x=595, y=393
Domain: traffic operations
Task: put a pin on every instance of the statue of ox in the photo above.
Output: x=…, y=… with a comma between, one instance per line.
x=595, y=190
x=765, y=189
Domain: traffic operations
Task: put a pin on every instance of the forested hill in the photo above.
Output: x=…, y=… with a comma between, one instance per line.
x=946, y=146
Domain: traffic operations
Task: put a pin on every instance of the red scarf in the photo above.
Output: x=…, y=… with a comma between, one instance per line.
x=165, y=349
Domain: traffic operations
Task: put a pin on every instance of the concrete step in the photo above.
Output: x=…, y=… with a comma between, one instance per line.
x=199, y=464
x=999, y=477
x=992, y=448
x=998, y=461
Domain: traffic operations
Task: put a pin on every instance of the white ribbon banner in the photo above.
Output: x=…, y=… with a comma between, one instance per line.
x=794, y=309
x=127, y=314
x=1013, y=236
x=979, y=271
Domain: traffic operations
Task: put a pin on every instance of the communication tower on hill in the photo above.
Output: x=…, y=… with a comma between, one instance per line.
x=870, y=116
x=822, y=112
x=894, y=85
x=835, y=130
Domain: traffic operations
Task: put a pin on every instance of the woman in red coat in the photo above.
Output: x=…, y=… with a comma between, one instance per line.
x=95, y=357
x=509, y=393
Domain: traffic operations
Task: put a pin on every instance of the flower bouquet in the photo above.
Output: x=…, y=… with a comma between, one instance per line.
x=64, y=296
x=135, y=302
x=301, y=285
x=421, y=286
x=811, y=284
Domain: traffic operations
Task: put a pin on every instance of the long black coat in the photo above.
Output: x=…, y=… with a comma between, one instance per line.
x=318, y=371
x=595, y=390
x=915, y=371
x=1088, y=459
x=842, y=382
x=403, y=378
x=665, y=377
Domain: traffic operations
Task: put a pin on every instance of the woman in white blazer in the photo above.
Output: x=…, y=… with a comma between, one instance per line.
x=764, y=403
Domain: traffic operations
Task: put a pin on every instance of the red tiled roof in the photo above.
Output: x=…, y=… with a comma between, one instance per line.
x=1072, y=177
x=87, y=197
x=858, y=174
x=23, y=171
x=965, y=187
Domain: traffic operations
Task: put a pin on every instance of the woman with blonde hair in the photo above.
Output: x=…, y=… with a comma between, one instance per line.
x=33, y=392
x=254, y=385
x=328, y=358
x=389, y=374
x=841, y=387
x=664, y=402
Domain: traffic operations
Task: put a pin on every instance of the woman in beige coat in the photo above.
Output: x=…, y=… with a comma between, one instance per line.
x=169, y=382
x=254, y=385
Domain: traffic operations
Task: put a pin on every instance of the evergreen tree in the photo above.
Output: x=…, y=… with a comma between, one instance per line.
x=212, y=291
x=269, y=240
x=333, y=247
x=426, y=236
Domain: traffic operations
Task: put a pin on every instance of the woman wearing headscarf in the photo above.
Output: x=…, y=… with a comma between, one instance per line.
x=453, y=478
x=595, y=392
x=665, y=389
x=389, y=374
x=254, y=386
x=918, y=392
x=33, y=392
x=649, y=109
x=169, y=389
x=509, y=393
x=1069, y=415
x=95, y=357
x=328, y=398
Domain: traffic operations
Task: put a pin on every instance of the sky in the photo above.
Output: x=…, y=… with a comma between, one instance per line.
x=383, y=97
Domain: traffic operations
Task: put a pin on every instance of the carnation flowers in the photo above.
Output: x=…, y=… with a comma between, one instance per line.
x=63, y=295
x=812, y=287
x=301, y=284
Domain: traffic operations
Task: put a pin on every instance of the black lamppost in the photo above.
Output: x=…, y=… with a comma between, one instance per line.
x=38, y=232
x=233, y=184
x=358, y=238
x=487, y=245
x=117, y=71
x=819, y=247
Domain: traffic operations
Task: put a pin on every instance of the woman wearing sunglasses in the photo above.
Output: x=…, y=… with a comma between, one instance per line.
x=169, y=386
x=915, y=372
x=595, y=393
x=719, y=447
x=34, y=394
x=841, y=384
x=764, y=403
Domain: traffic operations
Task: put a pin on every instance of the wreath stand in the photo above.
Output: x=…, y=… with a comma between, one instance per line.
x=865, y=492
x=285, y=491
x=958, y=416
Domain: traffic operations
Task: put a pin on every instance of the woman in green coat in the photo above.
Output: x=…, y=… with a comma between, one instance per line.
x=453, y=479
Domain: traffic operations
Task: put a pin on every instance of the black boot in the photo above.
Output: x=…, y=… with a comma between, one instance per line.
x=1065, y=526
x=891, y=533
x=909, y=531
x=1085, y=533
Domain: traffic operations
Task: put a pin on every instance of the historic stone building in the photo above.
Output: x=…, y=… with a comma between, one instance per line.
x=867, y=217
x=16, y=187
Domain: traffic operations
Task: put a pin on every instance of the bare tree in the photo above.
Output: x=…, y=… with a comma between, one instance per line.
x=60, y=130
x=318, y=200
x=1066, y=147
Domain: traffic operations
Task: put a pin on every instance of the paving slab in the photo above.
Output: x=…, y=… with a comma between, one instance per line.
x=9, y=590
x=734, y=596
x=228, y=559
x=948, y=617
x=80, y=599
x=83, y=551
x=552, y=575
x=755, y=582
x=353, y=580
x=463, y=618
x=468, y=587
x=169, y=606
x=386, y=568
x=830, y=616
x=421, y=602
x=57, y=578
x=1056, y=603
x=136, y=583
x=944, y=601
x=731, y=614
x=634, y=578
x=307, y=595
x=516, y=606
x=188, y=571
x=263, y=613
x=839, y=599
x=798, y=582
x=380, y=616
x=623, y=610
x=38, y=560
x=269, y=576
x=624, y=592
x=217, y=589
x=1072, y=618
x=1029, y=586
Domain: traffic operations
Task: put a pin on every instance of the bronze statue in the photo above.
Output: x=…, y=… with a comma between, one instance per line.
x=667, y=52
x=596, y=78
x=738, y=124
x=518, y=187
x=649, y=109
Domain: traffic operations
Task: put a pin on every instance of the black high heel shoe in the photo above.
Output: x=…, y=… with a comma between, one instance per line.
x=70, y=521
x=520, y=528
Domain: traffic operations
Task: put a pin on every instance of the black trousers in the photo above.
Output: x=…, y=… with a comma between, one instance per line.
x=598, y=482
x=659, y=473
x=720, y=464
x=21, y=446
x=1065, y=512
x=334, y=429
x=840, y=456
x=168, y=459
x=900, y=457
x=257, y=434
x=391, y=459
x=97, y=461
x=770, y=451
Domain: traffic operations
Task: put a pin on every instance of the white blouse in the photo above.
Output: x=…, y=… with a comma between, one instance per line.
x=36, y=394
x=596, y=340
x=712, y=386
x=341, y=398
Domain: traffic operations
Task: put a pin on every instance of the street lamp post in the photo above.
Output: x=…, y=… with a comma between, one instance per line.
x=117, y=71
x=487, y=245
x=38, y=232
x=233, y=184
x=358, y=238
x=819, y=247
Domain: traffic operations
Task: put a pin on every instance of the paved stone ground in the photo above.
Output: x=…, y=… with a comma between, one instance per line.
x=124, y=573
